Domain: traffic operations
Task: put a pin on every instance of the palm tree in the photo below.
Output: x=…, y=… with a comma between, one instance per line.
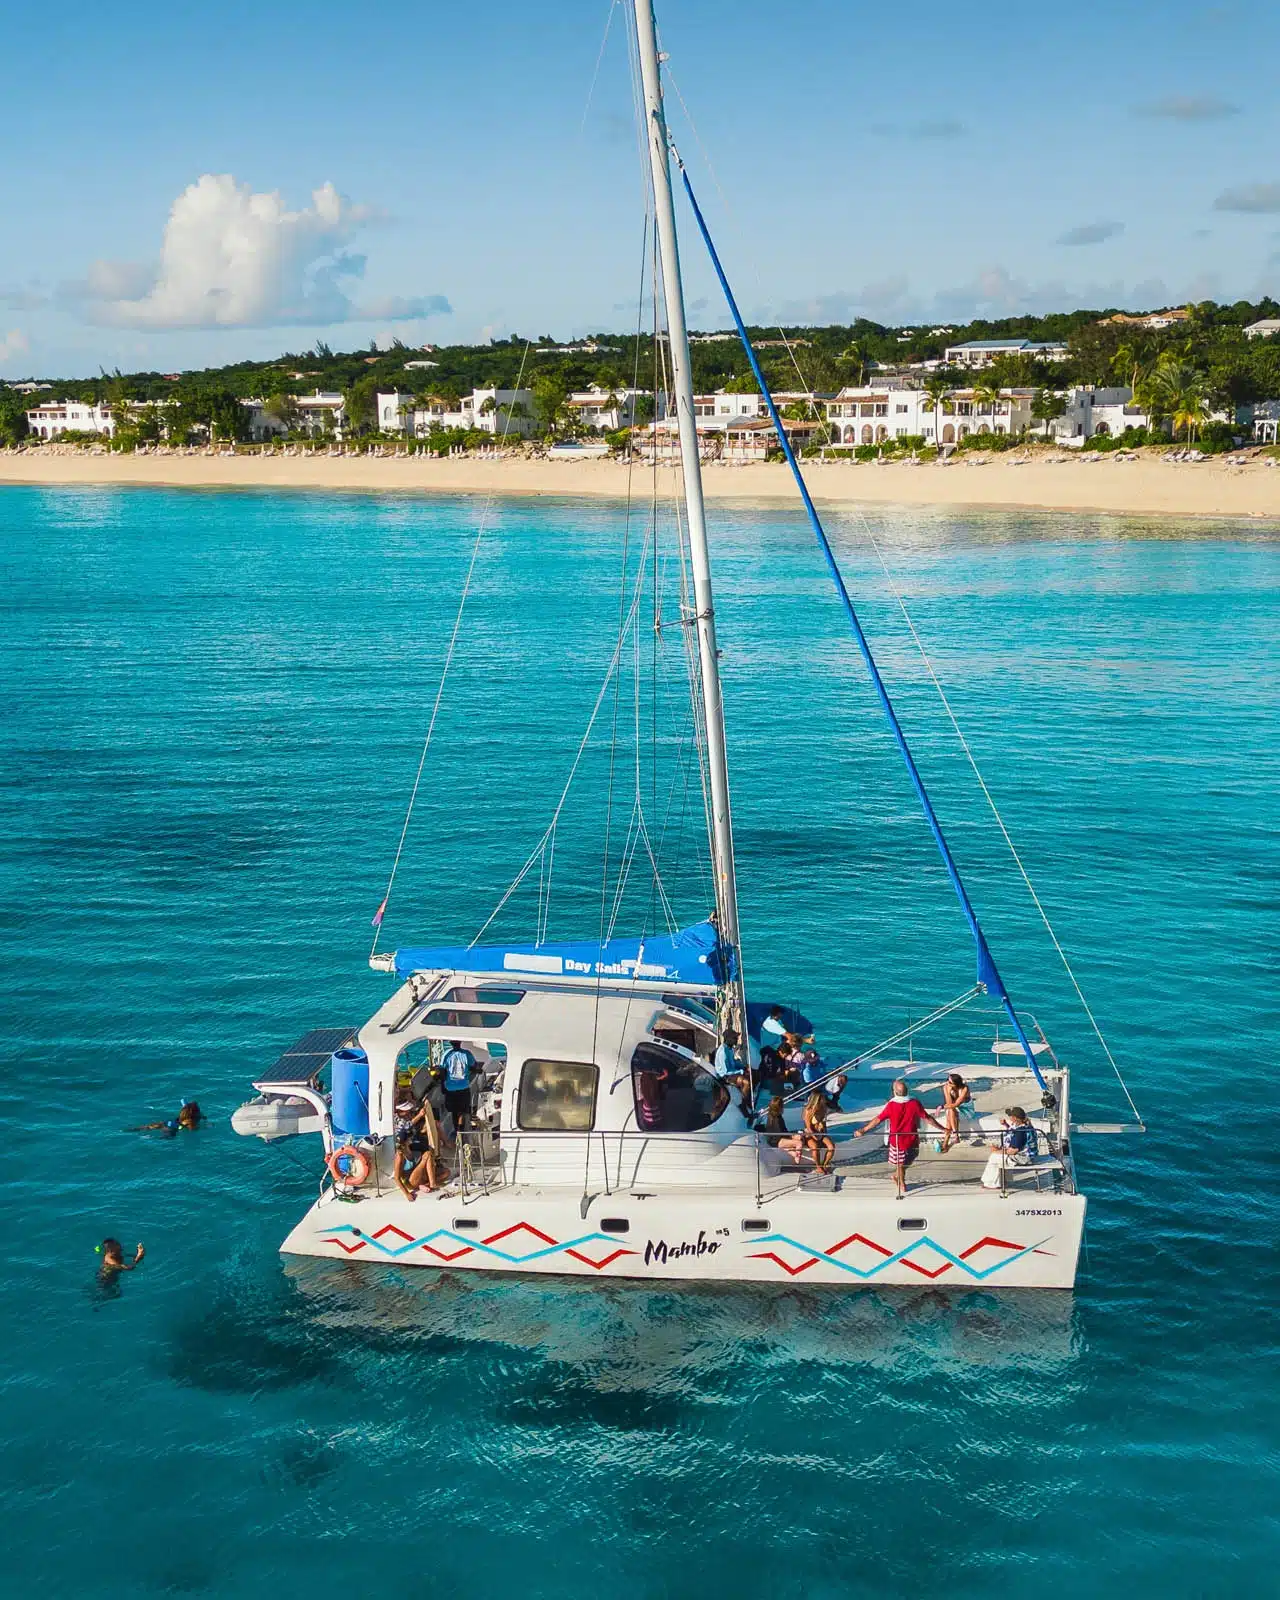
x=854, y=352
x=1047, y=406
x=1125, y=364
x=986, y=392
x=1190, y=414
x=937, y=388
x=1175, y=390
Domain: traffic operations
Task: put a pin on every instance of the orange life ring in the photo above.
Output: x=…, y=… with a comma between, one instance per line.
x=357, y=1170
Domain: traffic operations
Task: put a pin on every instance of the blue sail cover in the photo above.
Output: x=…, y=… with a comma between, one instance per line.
x=693, y=955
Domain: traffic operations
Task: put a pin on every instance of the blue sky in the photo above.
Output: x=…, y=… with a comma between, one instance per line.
x=434, y=172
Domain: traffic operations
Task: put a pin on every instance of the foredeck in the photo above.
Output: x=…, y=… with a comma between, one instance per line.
x=861, y=1161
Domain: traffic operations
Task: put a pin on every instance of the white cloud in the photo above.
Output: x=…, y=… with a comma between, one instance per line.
x=1257, y=197
x=231, y=258
x=404, y=308
x=992, y=292
x=876, y=300
x=14, y=343
x=1091, y=233
x=1189, y=108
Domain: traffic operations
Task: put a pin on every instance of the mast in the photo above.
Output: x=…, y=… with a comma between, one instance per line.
x=700, y=560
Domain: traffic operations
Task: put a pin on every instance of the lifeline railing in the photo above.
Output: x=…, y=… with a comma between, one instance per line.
x=615, y=1160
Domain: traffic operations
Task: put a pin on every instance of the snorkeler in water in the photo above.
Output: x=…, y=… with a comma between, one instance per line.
x=190, y=1116
x=113, y=1261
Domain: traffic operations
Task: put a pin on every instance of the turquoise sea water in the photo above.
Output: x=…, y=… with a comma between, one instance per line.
x=213, y=706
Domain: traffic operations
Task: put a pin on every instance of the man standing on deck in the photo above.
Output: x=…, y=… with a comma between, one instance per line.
x=458, y=1065
x=904, y=1114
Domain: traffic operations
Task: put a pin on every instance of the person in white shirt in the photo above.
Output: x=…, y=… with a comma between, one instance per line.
x=726, y=1064
x=773, y=1029
x=728, y=1068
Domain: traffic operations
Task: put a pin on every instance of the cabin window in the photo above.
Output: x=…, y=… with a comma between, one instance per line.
x=486, y=997
x=755, y=1224
x=448, y=1018
x=695, y=1008
x=685, y=1032
x=558, y=1096
x=913, y=1224
x=672, y=1094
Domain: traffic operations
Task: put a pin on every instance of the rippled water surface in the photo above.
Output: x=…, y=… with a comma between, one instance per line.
x=213, y=707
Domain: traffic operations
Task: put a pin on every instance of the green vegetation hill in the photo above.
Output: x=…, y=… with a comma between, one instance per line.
x=1232, y=369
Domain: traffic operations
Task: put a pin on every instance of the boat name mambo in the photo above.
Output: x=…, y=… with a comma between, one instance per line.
x=660, y=1251
x=1027, y=1211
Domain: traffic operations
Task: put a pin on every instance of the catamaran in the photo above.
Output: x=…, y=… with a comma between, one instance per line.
x=611, y=1087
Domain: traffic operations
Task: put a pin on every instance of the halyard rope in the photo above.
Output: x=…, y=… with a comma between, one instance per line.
x=924, y=655
x=481, y=528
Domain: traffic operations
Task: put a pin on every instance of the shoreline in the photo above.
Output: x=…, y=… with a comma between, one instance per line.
x=1087, y=483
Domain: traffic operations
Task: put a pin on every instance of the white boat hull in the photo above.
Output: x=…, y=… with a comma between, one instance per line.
x=959, y=1240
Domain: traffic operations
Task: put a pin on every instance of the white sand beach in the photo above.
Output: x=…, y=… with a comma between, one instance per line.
x=1146, y=485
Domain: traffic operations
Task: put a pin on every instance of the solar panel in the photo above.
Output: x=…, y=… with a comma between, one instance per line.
x=302, y=1061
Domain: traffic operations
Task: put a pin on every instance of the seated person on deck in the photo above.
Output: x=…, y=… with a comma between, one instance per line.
x=1019, y=1145
x=955, y=1096
x=417, y=1160
x=815, y=1137
x=649, y=1112
x=728, y=1068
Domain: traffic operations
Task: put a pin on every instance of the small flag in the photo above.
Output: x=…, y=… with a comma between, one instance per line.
x=377, y=916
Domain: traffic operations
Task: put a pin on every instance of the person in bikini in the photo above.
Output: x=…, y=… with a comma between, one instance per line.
x=814, y=1136
x=417, y=1163
x=955, y=1093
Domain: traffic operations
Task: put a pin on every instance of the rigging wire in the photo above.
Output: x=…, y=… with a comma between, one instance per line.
x=911, y=1029
x=481, y=529
x=591, y=88
x=548, y=833
x=622, y=603
x=924, y=656
x=1000, y=823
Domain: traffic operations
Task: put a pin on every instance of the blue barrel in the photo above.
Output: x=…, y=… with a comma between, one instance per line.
x=349, y=1093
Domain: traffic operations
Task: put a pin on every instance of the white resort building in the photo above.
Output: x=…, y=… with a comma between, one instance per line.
x=1098, y=412
x=605, y=409
x=715, y=412
x=501, y=412
x=872, y=414
x=47, y=421
x=976, y=353
x=1155, y=320
x=1266, y=422
x=325, y=411
x=876, y=414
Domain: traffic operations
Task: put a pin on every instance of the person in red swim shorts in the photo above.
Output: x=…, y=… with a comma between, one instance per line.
x=904, y=1114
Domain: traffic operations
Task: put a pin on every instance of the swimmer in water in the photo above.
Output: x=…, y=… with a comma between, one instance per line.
x=113, y=1261
x=189, y=1117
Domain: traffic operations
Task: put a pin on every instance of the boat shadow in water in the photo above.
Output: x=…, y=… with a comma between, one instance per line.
x=623, y=1336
